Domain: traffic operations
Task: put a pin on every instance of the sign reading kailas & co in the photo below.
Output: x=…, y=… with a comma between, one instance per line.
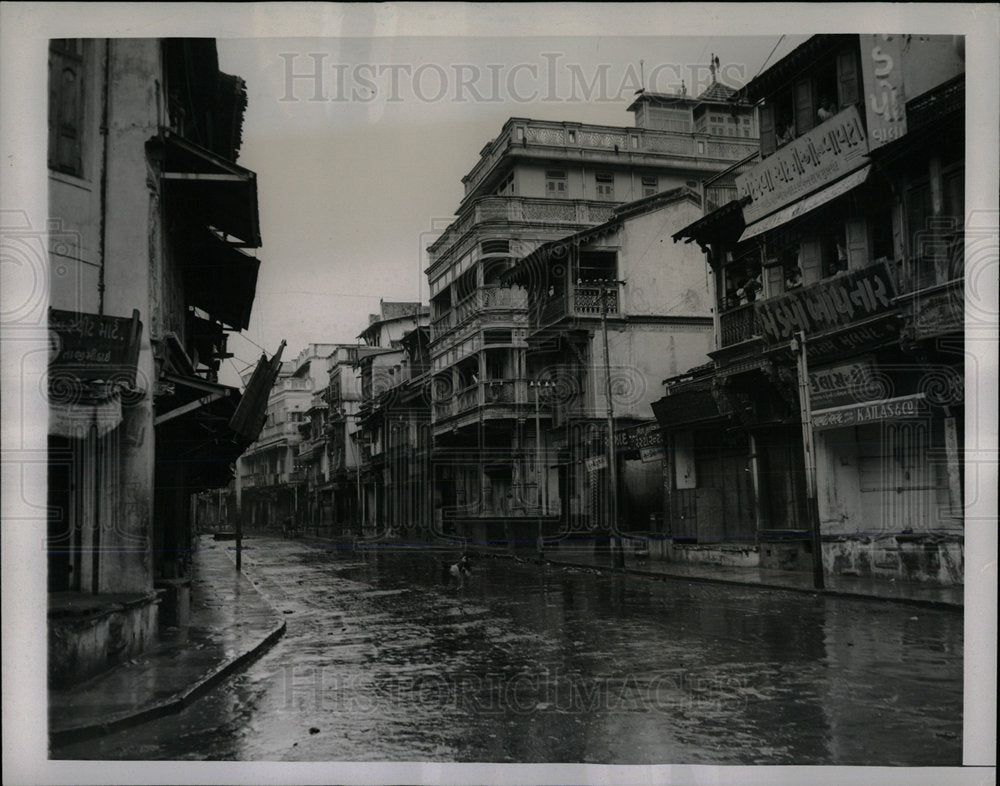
x=833, y=149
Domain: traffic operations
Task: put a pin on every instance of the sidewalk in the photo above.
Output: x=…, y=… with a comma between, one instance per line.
x=839, y=586
x=230, y=623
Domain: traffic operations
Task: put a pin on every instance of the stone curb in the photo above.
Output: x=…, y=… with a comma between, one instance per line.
x=181, y=700
x=922, y=602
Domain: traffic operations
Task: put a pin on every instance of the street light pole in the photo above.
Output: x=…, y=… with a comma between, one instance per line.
x=798, y=346
x=617, y=549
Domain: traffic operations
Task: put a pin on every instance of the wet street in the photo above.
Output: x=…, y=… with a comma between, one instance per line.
x=383, y=662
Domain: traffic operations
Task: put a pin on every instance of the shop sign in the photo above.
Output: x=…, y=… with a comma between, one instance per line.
x=841, y=383
x=647, y=435
x=90, y=347
x=902, y=408
x=885, y=99
x=856, y=339
x=651, y=454
x=828, y=305
x=596, y=463
x=833, y=149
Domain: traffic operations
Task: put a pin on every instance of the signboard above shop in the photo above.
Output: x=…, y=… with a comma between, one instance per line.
x=901, y=408
x=829, y=305
x=825, y=154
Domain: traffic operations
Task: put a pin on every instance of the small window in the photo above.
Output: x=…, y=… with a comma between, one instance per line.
x=572, y=137
x=555, y=182
x=650, y=185
x=506, y=186
x=635, y=142
x=66, y=108
x=605, y=185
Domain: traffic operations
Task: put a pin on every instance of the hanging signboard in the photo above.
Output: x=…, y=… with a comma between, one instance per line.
x=645, y=435
x=595, y=463
x=91, y=347
x=827, y=305
x=831, y=150
x=885, y=98
x=841, y=383
x=651, y=454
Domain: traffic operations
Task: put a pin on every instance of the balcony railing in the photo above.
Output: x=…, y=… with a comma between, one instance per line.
x=738, y=325
x=524, y=210
x=441, y=325
x=490, y=298
x=603, y=140
x=506, y=392
x=579, y=301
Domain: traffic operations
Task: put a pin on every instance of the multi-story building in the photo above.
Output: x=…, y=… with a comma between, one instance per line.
x=148, y=216
x=343, y=399
x=396, y=440
x=384, y=371
x=270, y=488
x=610, y=308
x=310, y=469
x=829, y=421
x=539, y=181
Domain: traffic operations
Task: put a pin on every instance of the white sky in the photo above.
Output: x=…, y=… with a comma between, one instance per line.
x=353, y=188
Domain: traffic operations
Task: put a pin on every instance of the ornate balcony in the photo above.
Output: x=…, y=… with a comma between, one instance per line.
x=578, y=301
x=738, y=325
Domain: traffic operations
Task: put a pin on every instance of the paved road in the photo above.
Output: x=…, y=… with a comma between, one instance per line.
x=381, y=662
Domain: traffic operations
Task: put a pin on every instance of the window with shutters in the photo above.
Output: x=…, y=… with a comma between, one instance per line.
x=555, y=182
x=66, y=107
x=605, y=185
x=506, y=186
x=650, y=185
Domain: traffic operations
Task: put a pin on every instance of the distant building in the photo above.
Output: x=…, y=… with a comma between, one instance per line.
x=848, y=236
x=395, y=350
x=149, y=216
x=274, y=472
x=537, y=182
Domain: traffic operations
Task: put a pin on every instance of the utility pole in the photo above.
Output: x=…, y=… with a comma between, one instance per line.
x=617, y=548
x=538, y=385
x=798, y=346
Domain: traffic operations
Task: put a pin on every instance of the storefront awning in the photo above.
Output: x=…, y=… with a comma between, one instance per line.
x=807, y=204
x=224, y=192
x=686, y=407
x=192, y=430
x=221, y=279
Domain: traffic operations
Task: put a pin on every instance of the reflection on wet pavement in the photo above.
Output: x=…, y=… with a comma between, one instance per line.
x=382, y=662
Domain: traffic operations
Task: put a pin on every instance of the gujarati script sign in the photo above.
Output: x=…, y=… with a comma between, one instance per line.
x=828, y=305
x=94, y=347
x=833, y=149
x=885, y=99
